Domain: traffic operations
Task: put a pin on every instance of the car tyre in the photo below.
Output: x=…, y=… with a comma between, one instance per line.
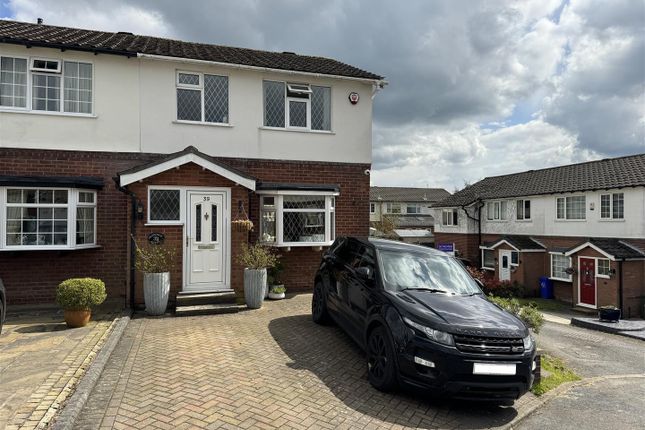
x=381, y=366
x=319, y=312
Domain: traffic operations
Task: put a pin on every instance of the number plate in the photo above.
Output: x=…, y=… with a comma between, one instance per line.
x=493, y=369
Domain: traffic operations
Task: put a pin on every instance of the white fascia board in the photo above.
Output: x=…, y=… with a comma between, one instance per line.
x=590, y=245
x=298, y=193
x=180, y=161
x=380, y=82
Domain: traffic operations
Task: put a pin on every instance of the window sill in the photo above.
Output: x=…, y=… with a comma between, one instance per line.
x=36, y=112
x=524, y=220
x=497, y=221
x=49, y=248
x=295, y=130
x=571, y=220
x=164, y=224
x=488, y=268
x=298, y=244
x=603, y=277
x=612, y=220
x=208, y=124
x=560, y=279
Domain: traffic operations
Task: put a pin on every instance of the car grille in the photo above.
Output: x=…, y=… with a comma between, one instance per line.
x=489, y=345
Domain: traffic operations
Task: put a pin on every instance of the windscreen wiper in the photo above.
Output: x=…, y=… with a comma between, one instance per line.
x=430, y=290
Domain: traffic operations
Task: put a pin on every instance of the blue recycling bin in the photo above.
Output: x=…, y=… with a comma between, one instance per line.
x=546, y=287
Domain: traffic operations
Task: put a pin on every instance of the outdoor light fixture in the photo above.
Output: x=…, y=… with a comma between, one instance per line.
x=139, y=209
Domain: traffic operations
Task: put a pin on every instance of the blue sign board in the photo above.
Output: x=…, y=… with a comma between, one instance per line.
x=446, y=247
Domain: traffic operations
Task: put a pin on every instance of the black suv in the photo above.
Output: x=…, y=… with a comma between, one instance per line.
x=423, y=321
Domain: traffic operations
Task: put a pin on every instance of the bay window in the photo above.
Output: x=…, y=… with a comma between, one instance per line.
x=46, y=85
x=48, y=218
x=297, y=219
x=297, y=106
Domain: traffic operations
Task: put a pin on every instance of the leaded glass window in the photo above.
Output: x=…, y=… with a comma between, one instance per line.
x=164, y=205
x=202, y=98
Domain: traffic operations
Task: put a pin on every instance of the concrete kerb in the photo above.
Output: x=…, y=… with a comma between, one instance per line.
x=70, y=411
x=558, y=391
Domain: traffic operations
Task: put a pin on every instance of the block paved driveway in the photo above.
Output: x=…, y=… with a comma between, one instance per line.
x=267, y=368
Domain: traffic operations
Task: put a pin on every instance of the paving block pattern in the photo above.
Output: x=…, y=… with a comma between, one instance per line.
x=262, y=369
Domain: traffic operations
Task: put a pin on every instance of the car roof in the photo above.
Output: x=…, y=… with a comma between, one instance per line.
x=394, y=245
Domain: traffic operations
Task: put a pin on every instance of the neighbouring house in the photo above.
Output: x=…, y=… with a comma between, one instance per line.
x=105, y=136
x=581, y=225
x=409, y=209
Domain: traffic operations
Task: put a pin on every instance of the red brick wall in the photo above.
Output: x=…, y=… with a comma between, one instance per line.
x=32, y=276
x=466, y=245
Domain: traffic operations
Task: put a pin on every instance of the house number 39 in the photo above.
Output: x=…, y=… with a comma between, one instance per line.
x=207, y=198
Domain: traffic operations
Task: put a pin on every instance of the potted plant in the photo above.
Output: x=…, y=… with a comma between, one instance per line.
x=276, y=292
x=155, y=261
x=609, y=313
x=77, y=296
x=276, y=288
x=255, y=259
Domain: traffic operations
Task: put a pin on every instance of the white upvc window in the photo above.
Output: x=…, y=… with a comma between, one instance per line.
x=297, y=106
x=612, y=206
x=392, y=208
x=496, y=210
x=202, y=98
x=296, y=219
x=488, y=259
x=559, y=265
x=372, y=208
x=515, y=258
x=450, y=217
x=571, y=208
x=47, y=85
x=412, y=208
x=603, y=268
x=523, y=210
x=47, y=218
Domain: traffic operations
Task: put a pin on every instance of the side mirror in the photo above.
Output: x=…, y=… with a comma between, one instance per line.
x=364, y=273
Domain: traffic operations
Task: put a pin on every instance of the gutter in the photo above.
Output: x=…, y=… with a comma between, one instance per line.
x=64, y=47
x=133, y=228
x=377, y=82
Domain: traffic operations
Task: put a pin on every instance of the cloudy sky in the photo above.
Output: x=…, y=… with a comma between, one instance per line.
x=477, y=88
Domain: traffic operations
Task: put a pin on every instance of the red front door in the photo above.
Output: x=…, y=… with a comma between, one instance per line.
x=588, y=281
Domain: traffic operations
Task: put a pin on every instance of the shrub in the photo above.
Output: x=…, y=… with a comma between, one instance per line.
x=496, y=287
x=78, y=294
x=529, y=313
x=274, y=274
x=256, y=257
x=278, y=289
x=154, y=259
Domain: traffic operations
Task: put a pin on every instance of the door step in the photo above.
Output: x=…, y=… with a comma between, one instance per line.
x=192, y=299
x=211, y=309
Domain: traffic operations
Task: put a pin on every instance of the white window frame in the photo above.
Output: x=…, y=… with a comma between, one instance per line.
x=518, y=258
x=452, y=213
x=30, y=72
x=372, y=208
x=292, y=87
x=611, y=207
x=390, y=205
x=329, y=210
x=72, y=205
x=178, y=221
x=416, y=206
x=200, y=88
x=566, y=218
x=551, y=255
x=484, y=259
x=522, y=203
x=601, y=275
x=499, y=212
x=33, y=68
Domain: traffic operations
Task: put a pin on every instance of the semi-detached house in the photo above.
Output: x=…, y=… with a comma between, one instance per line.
x=104, y=136
x=581, y=225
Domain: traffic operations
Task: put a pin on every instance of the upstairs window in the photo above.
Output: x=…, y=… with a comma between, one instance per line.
x=393, y=208
x=496, y=210
x=523, y=210
x=413, y=209
x=297, y=106
x=571, y=208
x=202, y=98
x=449, y=217
x=612, y=206
x=372, y=208
x=56, y=86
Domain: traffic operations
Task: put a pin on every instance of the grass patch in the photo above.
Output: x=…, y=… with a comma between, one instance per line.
x=545, y=304
x=558, y=374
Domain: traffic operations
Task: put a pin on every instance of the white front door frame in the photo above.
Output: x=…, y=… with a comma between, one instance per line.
x=187, y=191
x=503, y=271
x=579, y=301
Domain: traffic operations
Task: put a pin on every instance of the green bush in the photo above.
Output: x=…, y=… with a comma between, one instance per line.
x=78, y=294
x=528, y=313
x=256, y=257
x=154, y=259
x=278, y=289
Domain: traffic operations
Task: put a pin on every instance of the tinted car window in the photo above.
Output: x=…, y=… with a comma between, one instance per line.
x=401, y=270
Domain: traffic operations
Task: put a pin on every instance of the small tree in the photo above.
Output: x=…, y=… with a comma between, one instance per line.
x=256, y=257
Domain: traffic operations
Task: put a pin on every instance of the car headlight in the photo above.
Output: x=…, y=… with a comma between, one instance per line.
x=528, y=343
x=438, y=336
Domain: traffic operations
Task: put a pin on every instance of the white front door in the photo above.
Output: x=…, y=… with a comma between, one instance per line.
x=504, y=265
x=206, y=241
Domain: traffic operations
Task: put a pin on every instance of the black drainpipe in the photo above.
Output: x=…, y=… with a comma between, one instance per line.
x=133, y=229
x=478, y=208
x=620, y=289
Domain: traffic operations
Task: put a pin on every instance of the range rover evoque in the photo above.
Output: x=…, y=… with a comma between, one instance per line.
x=422, y=321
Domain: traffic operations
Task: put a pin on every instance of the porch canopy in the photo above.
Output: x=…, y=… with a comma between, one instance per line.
x=613, y=249
x=188, y=155
x=517, y=242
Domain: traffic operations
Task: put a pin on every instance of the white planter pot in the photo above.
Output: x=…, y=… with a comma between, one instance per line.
x=276, y=296
x=156, y=289
x=255, y=285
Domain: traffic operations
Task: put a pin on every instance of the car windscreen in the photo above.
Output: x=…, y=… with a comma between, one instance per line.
x=415, y=270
